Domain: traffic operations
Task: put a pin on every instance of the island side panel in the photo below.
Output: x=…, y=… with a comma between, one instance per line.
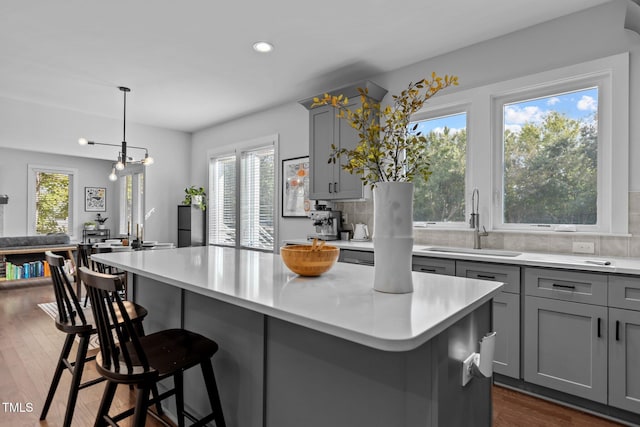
x=317, y=380
x=163, y=301
x=238, y=364
x=469, y=405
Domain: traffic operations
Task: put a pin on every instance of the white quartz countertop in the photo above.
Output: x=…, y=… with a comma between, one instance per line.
x=574, y=262
x=341, y=302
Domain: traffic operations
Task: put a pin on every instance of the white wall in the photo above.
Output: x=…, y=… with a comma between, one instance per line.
x=43, y=129
x=591, y=34
x=13, y=182
x=290, y=122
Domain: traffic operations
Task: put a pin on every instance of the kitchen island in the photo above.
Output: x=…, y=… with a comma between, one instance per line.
x=325, y=351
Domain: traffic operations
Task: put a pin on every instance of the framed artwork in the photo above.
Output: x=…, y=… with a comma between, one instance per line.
x=295, y=187
x=95, y=199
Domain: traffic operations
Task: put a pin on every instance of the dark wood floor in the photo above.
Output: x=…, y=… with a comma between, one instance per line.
x=30, y=344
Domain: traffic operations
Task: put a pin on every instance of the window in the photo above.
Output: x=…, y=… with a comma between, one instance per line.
x=561, y=149
x=441, y=198
x=547, y=152
x=550, y=159
x=51, y=207
x=131, y=193
x=222, y=201
x=257, y=198
x=242, y=198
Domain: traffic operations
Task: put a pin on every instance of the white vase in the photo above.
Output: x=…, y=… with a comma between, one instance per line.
x=393, y=237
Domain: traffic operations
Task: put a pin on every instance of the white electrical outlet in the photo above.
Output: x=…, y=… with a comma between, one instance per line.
x=583, y=247
x=466, y=368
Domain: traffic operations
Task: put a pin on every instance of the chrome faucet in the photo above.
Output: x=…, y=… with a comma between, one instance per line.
x=474, y=222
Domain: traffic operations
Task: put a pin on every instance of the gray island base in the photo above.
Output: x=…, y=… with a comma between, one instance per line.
x=326, y=351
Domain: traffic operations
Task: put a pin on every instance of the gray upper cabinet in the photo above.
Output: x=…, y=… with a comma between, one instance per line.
x=329, y=181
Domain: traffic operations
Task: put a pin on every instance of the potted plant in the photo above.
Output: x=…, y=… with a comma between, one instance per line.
x=388, y=155
x=89, y=225
x=100, y=220
x=195, y=196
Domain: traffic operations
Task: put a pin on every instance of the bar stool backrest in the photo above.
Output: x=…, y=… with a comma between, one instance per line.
x=69, y=309
x=126, y=356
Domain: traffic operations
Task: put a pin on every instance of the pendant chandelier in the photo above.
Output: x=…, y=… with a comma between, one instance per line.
x=123, y=158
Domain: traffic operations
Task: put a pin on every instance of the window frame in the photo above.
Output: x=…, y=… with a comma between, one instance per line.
x=484, y=141
x=33, y=169
x=137, y=172
x=611, y=77
x=449, y=109
x=236, y=150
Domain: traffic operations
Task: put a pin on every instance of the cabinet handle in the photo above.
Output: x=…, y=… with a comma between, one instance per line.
x=335, y=187
x=617, y=330
x=599, y=321
x=486, y=276
x=330, y=187
x=556, y=285
x=427, y=270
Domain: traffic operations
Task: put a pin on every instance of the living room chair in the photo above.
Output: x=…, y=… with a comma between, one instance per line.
x=145, y=360
x=76, y=322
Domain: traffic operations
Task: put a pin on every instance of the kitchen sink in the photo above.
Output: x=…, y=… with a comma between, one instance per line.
x=490, y=252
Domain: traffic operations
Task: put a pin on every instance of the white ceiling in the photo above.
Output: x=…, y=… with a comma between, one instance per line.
x=190, y=63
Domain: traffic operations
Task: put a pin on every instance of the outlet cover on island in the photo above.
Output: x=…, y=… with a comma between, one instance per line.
x=583, y=247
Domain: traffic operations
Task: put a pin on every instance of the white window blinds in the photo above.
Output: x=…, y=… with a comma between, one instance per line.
x=222, y=201
x=242, y=197
x=257, y=198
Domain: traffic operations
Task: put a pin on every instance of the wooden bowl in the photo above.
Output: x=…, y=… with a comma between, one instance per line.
x=301, y=259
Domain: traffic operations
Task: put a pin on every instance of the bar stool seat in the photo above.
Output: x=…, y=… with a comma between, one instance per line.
x=75, y=321
x=145, y=360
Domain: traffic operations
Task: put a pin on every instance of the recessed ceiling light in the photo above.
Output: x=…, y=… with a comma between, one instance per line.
x=262, y=47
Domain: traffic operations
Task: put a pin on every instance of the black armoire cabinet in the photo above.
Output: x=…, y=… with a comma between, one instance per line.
x=191, y=226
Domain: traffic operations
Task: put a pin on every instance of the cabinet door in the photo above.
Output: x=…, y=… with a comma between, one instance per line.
x=506, y=311
x=347, y=185
x=322, y=133
x=506, y=323
x=565, y=347
x=624, y=348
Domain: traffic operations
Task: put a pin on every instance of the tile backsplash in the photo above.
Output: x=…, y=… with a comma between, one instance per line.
x=625, y=246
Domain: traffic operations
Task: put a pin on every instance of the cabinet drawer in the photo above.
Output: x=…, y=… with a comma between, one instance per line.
x=356, y=257
x=588, y=288
x=434, y=265
x=624, y=292
x=508, y=274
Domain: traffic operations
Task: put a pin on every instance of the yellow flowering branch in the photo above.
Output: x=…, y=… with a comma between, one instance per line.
x=388, y=150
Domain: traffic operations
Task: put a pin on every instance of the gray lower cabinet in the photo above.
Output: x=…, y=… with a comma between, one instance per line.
x=565, y=333
x=356, y=257
x=565, y=347
x=624, y=342
x=506, y=312
x=506, y=324
x=434, y=265
x=624, y=349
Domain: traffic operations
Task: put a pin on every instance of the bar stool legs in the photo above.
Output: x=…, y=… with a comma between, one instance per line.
x=76, y=368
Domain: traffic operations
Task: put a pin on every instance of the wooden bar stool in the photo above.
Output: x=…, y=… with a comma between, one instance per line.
x=145, y=360
x=75, y=322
